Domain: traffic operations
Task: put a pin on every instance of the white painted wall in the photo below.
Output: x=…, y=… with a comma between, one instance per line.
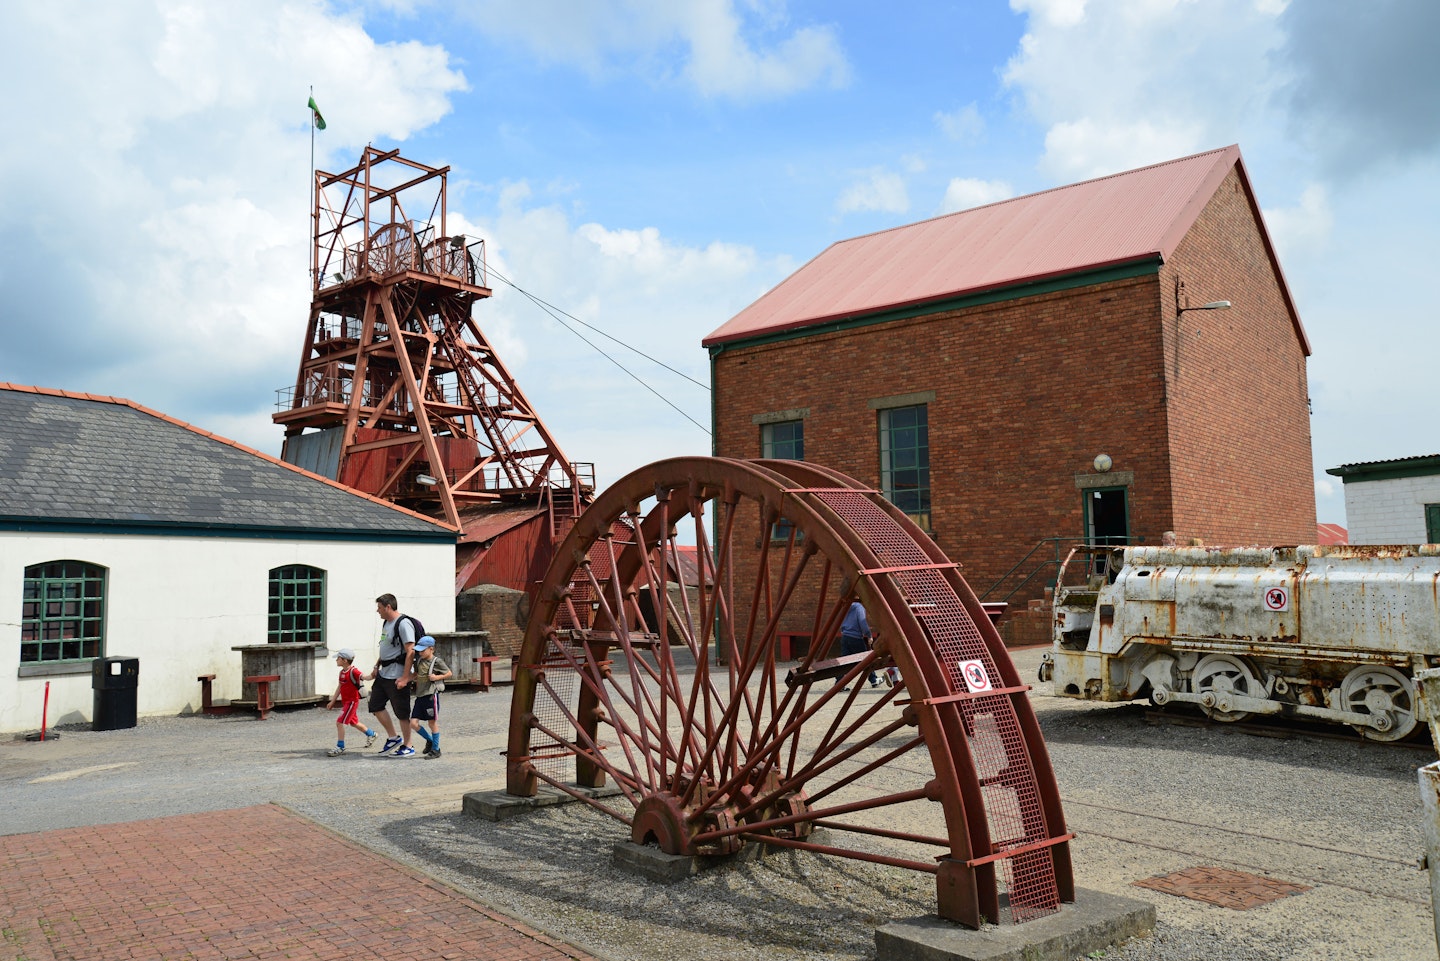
x=1389, y=511
x=180, y=603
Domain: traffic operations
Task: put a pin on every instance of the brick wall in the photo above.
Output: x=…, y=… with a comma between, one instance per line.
x=1026, y=391
x=1207, y=413
x=1239, y=418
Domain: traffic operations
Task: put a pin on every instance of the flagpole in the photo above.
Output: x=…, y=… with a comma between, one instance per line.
x=310, y=214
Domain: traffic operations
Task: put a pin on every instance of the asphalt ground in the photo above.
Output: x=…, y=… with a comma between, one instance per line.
x=1342, y=818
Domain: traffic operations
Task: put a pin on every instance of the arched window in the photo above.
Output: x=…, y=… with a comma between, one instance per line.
x=62, y=614
x=297, y=605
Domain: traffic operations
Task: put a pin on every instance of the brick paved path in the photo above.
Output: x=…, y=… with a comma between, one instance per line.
x=258, y=882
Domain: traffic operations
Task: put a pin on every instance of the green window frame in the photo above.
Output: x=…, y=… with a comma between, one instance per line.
x=62, y=616
x=1432, y=523
x=783, y=440
x=905, y=460
x=297, y=605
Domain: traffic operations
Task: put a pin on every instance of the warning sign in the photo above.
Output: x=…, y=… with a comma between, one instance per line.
x=976, y=680
x=1277, y=599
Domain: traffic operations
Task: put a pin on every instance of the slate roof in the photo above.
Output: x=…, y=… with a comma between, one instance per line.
x=1131, y=218
x=77, y=459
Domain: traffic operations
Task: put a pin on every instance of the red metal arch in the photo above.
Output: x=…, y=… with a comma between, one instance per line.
x=712, y=754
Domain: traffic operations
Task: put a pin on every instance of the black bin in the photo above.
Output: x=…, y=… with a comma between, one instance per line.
x=115, y=681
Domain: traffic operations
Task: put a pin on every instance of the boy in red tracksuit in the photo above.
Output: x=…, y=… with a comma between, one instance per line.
x=348, y=694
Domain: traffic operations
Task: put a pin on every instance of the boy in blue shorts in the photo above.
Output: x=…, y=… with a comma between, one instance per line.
x=430, y=674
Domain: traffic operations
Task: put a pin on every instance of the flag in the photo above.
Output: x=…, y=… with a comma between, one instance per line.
x=315, y=117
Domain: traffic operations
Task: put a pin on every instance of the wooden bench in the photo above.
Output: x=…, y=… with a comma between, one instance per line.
x=207, y=702
x=790, y=646
x=262, y=696
x=487, y=670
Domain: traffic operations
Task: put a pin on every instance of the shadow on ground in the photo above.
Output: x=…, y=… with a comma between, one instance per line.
x=791, y=899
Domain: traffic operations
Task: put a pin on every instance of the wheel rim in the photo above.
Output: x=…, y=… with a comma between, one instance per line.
x=1380, y=690
x=1222, y=674
x=711, y=756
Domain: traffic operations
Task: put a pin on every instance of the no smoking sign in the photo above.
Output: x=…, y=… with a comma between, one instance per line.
x=973, y=673
x=1277, y=599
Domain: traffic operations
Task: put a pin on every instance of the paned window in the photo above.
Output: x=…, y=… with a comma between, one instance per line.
x=905, y=460
x=62, y=614
x=782, y=441
x=1432, y=523
x=297, y=605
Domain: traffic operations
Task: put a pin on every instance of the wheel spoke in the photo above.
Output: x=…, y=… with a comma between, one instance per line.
x=712, y=759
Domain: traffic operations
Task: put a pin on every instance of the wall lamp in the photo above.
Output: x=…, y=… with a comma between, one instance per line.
x=1213, y=305
x=426, y=480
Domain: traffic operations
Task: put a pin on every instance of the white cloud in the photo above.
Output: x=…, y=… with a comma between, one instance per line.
x=710, y=44
x=1118, y=86
x=881, y=190
x=966, y=192
x=638, y=287
x=1060, y=13
x=965, y=125
x=159, y=248
x=1085, y=148
x=1303, y=228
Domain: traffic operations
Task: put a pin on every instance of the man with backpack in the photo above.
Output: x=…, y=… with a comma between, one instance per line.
x=393, y=674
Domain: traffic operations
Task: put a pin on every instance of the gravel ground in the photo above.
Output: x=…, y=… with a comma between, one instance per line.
x=1144, y=800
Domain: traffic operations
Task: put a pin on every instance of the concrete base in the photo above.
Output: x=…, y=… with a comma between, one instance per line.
x=498, y=806
x=1095, y=922
x=654, y=864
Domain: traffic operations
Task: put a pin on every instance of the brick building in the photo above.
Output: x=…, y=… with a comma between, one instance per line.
x=976, y=366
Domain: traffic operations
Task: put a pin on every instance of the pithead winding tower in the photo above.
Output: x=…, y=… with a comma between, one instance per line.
x=400, y=395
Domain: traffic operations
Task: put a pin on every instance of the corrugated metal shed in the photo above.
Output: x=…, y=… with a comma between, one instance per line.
x=1131, y=217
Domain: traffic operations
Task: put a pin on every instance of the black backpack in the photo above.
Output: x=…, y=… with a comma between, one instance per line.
x=415, y=626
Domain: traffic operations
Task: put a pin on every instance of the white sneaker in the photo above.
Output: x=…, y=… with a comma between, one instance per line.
x=335, y=752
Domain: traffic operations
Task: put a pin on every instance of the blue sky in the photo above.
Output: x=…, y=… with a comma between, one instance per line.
x=654, y=166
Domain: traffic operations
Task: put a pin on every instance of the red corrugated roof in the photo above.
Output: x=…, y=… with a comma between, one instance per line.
x=485, y=522
x=1124, y=218
x=1331, y=534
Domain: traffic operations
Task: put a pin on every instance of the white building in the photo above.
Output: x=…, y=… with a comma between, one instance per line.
x=124, y=532
x=1392, y=501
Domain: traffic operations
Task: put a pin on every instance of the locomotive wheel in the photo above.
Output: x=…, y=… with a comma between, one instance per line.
x=676, y=698
x=1223, y=674
x=1376, y=689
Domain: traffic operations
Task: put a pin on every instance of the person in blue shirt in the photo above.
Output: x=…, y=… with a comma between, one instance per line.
x=855, y=635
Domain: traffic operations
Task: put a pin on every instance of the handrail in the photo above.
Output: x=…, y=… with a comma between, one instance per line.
x=1044, y=563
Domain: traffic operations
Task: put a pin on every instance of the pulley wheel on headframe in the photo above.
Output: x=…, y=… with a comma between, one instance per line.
x=652, y=660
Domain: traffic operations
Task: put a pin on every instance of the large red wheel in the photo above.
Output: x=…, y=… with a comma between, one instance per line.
x=673, y=692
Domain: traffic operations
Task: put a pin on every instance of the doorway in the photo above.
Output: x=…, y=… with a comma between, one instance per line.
x=1107, y=521
x=1107, y=516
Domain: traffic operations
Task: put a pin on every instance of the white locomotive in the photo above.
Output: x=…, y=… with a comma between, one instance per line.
x=1334, y=633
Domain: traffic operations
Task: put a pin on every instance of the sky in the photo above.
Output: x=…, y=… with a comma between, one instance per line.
x=653, y=166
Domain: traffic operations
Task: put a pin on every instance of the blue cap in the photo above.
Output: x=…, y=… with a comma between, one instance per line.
x=424, y=642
